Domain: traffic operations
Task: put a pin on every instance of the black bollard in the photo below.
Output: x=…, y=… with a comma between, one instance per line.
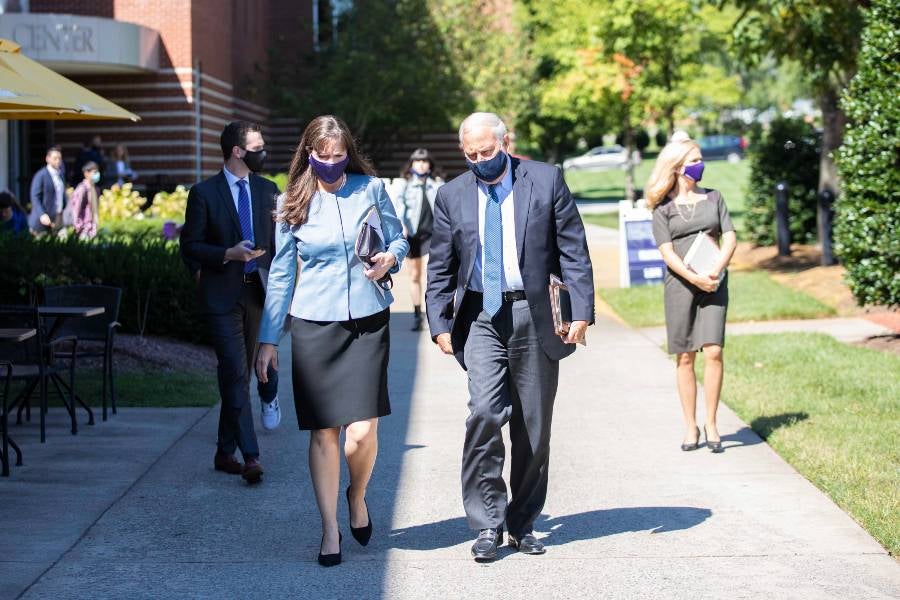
x=782, y=219
x=826, y=218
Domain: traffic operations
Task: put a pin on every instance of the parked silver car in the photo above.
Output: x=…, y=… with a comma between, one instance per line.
x=599, y=158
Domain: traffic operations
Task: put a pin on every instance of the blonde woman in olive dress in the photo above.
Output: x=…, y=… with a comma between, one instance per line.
x=695, y=303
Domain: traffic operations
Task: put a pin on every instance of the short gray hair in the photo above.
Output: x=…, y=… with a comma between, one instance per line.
x=483, y=119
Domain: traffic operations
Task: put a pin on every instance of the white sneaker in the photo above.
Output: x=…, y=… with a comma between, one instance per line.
x=271, y=414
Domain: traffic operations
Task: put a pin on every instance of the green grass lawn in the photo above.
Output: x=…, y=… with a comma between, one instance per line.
x=753, y=296
x=829, y=409
x=610, y=220
x=152, y=388
x=609, y=186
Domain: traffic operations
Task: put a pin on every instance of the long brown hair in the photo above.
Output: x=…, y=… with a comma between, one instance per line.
x=302, y=185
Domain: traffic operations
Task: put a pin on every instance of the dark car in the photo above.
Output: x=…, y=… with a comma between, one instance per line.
x=719, y=147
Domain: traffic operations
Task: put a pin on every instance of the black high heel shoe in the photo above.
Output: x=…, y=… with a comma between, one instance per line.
x=360, y=534
x=695, y=445
x=331, y=560
x=714, y=447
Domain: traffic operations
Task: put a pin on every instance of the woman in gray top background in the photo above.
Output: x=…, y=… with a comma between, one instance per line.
x=414, y=201
x=695, y=303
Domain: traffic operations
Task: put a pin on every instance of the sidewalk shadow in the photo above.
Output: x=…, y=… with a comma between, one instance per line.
x=560, y=530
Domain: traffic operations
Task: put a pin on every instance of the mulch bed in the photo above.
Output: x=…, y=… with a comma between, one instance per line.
x=151, y=353
x=803, y=271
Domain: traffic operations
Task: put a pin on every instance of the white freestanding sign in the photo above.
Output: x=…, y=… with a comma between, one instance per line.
x=640, y=262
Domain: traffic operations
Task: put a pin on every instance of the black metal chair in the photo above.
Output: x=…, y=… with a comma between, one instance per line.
x=4, y=423
x=32, y=362
x=101, y=328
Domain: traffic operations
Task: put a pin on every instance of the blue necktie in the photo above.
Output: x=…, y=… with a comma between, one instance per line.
x=492, y=270
x=246, y=218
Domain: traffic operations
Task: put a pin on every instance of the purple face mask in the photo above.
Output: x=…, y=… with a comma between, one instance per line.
x=695, y=172
x=328, y=172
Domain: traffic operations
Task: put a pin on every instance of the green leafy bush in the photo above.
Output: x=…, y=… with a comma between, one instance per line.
x=170, y=205
x=788, y=152
x=119, y=203
x=867, y=226
x=158, y=296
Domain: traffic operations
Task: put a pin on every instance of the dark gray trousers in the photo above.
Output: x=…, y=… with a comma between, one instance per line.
x=234, y=337
x=511, y=380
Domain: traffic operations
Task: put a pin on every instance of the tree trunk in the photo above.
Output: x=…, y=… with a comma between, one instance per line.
x=629, y=171
x=669, y=117
x=833, y=122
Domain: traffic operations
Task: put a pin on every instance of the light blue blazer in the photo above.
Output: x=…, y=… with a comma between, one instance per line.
x=331, y=285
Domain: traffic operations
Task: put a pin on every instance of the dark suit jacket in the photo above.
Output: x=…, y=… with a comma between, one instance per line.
x=43, y=198
x=549, y=237
x=211, y=226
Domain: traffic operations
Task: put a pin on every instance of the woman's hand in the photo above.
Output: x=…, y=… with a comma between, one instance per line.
x=705, y=283
x=381, y=264
x=265, y=355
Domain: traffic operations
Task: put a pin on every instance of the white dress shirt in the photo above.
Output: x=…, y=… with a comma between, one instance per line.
x=235, y=194
x=60, y=186
x=512, y=276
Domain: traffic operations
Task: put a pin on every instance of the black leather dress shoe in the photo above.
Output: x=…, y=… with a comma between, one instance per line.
x=526, y=544
x=485, y=547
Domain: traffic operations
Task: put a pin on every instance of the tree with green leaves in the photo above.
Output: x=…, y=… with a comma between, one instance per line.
x=867, y=228
x=617, y=64
x=822, y=36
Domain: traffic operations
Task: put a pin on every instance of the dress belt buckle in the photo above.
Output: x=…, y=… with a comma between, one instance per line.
x=514, y=296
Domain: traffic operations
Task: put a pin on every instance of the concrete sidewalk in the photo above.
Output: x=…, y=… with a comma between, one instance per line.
x=628, y=515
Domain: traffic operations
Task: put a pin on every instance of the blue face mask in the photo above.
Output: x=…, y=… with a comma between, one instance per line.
x=95, y=177
x=490, y=169
x=694, y=171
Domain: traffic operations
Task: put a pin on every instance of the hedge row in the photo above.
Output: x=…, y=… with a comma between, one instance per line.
x=158, y=296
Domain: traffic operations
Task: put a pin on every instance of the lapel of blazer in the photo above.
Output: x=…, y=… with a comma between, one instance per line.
x=259, y=207
x=469, y=209
x=228, y=199
x=522, y=201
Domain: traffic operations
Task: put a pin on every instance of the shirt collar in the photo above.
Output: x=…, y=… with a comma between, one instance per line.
x=52, y=170
x=232, y=179
x=502, y=187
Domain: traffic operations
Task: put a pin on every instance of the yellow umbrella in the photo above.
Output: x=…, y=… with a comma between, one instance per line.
x=29, y=90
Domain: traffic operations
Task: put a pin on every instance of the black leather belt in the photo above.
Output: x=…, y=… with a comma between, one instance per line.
x=513, y=296
x=251, y=277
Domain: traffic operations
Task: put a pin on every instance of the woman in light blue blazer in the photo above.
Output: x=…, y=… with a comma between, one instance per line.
x=337, y=314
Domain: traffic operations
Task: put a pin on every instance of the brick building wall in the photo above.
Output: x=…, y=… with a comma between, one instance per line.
x=210, y=52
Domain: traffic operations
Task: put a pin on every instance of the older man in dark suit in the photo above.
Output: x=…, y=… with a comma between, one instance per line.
x=500, y=231
x=48, y=194
x=228, y=234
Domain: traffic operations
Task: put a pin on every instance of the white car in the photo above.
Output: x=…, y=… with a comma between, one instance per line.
x=599, y=158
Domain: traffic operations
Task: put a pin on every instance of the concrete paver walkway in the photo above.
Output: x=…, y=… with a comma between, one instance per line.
x=132, y=507
x=628, y=515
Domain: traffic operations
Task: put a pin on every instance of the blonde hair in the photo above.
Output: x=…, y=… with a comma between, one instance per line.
x=665, y=171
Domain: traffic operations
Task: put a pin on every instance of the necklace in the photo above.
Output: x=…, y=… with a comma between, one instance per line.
x=693, y=209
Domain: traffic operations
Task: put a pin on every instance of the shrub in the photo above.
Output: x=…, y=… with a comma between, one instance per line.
x=158, y=296
x=279, y=179
x=118, y=203
x=170, y=205
x=788, y=152
x=867, y=225
x=661, y=138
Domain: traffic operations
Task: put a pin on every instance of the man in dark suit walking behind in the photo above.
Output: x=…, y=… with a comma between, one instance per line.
x=228, y=232
x=500, y=231
x=48, y=194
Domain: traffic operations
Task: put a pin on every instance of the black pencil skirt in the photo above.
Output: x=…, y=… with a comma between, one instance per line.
x=340, y=370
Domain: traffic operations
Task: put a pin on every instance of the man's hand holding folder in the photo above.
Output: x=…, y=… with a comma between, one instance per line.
x=571, y=332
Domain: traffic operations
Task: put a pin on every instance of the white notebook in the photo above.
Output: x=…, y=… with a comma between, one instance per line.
x=703, y=255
